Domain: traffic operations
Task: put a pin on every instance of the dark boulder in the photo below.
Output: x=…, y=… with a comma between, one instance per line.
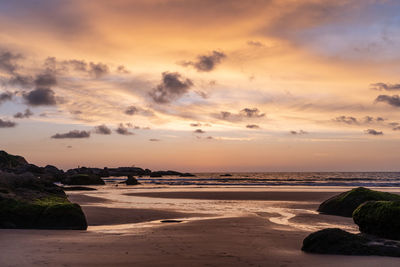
x=345, y=203
x=131, y=180
x=380, y=218
x=226, y=175
x=83, y=179
x=337, y=241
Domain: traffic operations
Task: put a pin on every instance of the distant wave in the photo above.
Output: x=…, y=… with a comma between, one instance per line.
x=369, y=179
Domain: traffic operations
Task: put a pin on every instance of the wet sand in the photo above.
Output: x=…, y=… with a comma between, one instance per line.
x=243, y=229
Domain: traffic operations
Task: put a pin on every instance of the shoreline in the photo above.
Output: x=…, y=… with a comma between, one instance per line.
x=237, y=229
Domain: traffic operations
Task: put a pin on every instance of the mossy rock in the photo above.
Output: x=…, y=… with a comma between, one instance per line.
x=340, y=242
x=335, y=241
x=47, y=213
x=62, y=216
x=83, y=179
x=345, y=203
x=380, y=218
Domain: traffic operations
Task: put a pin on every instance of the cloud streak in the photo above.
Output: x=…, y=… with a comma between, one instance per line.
x=246, y=113
x=385, y=86
x=21, y=115
x=74, y=134
x=373, y=132
x=206, y=63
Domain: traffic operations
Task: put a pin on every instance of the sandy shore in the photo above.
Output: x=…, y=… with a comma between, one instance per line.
x=219, y=229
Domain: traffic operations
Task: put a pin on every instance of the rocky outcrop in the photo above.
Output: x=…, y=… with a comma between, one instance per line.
x=29, y=202
x=18, y=165
x=8, y=161
x=131, y=180
x=337, y=241
x=345, y=203
x=380, y=218
x=83, y=179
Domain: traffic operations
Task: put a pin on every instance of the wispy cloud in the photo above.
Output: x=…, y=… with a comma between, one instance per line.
x=74, y=134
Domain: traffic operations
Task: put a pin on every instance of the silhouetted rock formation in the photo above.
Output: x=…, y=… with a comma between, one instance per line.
x=18, y=165
x=83, y=179
x=29, y=202
x=8, y=161
x=131, y=180
x=380, y=218
x=337, y=241
x=345, y=203
x=226, y=175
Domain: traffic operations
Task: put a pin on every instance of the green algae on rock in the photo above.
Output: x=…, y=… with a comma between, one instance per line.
x=345, y=203
x=28, y=202
x=380, y=218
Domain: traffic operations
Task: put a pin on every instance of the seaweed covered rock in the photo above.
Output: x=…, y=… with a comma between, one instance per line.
x=345, y=203
x=29, y=202
x=83, y=179
x=47, y=213
x=337, y=241
x=380, y=218
x=131, y=180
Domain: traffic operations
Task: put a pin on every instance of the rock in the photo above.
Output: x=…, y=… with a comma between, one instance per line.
x=380, y=218
x=78, y=188
x=8, y=161
x=83, y=179
x=226, y=175
x=345, y=203
x=29, y=202
x=27, y=185
x=51, y=173
x=131, y=180
x=47, y=213
x=155, y=174
x=62, y=216
x=337, y=241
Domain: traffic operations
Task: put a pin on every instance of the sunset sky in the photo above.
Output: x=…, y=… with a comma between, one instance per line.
x=202, y=85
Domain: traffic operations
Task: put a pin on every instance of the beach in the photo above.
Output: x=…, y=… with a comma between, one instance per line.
x=216, y=226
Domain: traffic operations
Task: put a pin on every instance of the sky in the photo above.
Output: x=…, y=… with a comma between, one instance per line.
x=202, y=85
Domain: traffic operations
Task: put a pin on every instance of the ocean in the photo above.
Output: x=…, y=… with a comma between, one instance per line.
x=367, y=179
